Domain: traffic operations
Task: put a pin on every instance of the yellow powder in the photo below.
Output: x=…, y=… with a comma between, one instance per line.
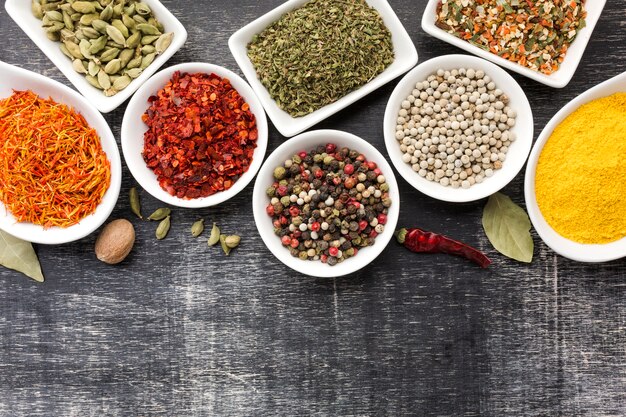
x=581, y=174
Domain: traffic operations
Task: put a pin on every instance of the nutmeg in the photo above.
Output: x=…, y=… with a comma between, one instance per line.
x=115, y=241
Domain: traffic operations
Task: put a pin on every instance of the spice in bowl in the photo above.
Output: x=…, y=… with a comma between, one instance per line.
x=110, y=43
x=455, y=127
x=535, y=34
x=201, y=135
x=328, y=203
x=318, y=53
x=579, y=182
x=54, y=172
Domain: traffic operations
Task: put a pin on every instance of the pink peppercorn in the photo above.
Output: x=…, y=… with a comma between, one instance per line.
x=348, y=169
x=333, y=251
x=285, y=240
x=382, y=218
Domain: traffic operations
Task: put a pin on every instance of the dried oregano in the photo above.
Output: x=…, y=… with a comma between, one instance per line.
x=316, y=54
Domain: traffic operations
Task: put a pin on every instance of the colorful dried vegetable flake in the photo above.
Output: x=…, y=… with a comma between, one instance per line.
x=201, y=135
x=532, y=33
x=53, y=171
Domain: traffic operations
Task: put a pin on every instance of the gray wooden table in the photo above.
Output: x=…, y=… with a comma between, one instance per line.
x=181, y=330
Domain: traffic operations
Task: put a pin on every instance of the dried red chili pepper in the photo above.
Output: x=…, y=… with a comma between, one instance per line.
x=419, y=241
x=201, y=135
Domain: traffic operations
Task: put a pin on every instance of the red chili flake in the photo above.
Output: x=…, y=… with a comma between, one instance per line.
x=201, y=135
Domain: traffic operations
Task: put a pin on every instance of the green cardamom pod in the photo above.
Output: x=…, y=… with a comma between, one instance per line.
x=118, y=9
x=65, y=51
x=97, y=45
x=67, y=20
x=232, y=241
x=147, y=60
x=121, y=83
x=45, y=21
x=134, y=72
x=93, y=68
x=125, y=56
x=160, y=213
x=84, y=46
x=134, y=40
x=225, y=248
x=35, y=7
x=109, y=54
x=130, y=10
x=135, y=205
x=93, y=81
x=117, y=23
x=55, y=15
x=90, y=32
x=86, y=19
x=163, y=42
x=73, y=49
x=107, y=13
x=100, y=25
x=134, y=63
x=139, y=19
x=55, y=27
x=48, y=5
x=113, y=67
x=68, y=35
x=149, y=39
x=78, y=66
x=163, y=228
x=110, y=92
x=115, y=34
x=128, y=21
x=147, y=49
x=197, y=228
x=147, y=29
x=104, y=80
x=83, y=7
x=215, y=235
x=54, y=36
x=143, y=9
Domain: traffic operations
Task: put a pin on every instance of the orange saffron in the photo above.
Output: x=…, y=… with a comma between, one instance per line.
x=53, y=171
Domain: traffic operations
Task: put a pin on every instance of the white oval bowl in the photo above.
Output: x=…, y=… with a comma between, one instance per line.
x=306, y=142
x=516, y=155
x=21, y=13
x=573, y=250
x=20, y=79
x=133, y=129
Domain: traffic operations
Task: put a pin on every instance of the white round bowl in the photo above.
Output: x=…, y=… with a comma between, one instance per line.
x=20, y=79
x=573, y=250
x=306, y=142
x=516, y=155
x=133, y=129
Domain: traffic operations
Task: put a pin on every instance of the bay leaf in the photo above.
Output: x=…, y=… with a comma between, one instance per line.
x=19, y=255
x=508, y=228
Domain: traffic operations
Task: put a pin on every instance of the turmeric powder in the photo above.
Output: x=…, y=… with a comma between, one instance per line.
x=580, y=181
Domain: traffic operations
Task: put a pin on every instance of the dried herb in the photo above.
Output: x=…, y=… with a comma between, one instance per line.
x=508, y=228
x=316, y=54
x=201, y=135
x=19, y=255
x=53, y=171
x=535, y=34
x=419, y=241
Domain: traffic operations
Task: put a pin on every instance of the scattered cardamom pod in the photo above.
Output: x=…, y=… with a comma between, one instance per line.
x=215, y=235
x=134, y=40
x=107, y=13
x=97, y=45
x=93, y=68
x=135, y=206
x=232, y=241
x=225, y=248
x=197, y=228
x=163, y=228
x=86, y=19
x=160, y=213
x=55, y=15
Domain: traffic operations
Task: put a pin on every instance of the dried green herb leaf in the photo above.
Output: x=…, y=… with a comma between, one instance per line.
x=19, y=255
x=508, y=228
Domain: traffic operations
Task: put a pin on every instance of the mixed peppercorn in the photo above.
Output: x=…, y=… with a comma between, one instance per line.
x=328, y=203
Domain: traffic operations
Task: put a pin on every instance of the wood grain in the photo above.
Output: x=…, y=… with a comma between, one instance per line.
x=178, y=329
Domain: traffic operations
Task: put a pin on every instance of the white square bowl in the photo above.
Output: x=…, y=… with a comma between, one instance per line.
x=20, y=11
x=557, y=79
x=405, y=59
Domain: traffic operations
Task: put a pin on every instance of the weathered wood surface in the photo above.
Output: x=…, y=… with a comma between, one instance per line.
x=181, y=330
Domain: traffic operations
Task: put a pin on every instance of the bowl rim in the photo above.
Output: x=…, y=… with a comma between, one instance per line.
x=57, y=235
x=515, y=159
x=306, y=141
x=581, y=252
x=50, y=48
x=558, y=79
x=289, y=126
x=136, y=108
